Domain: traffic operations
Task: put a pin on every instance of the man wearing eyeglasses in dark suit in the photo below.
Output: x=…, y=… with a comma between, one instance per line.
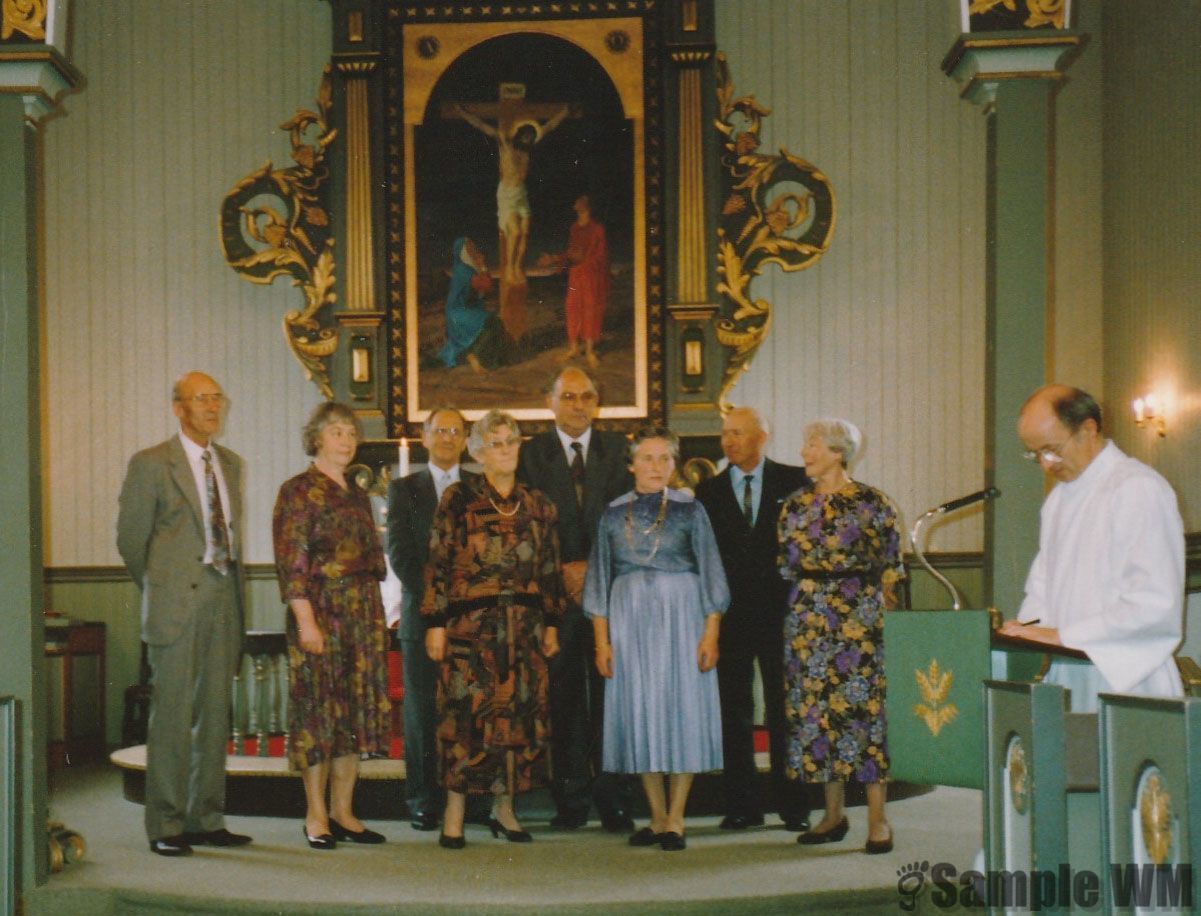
x=411, y=504
x=581, y=469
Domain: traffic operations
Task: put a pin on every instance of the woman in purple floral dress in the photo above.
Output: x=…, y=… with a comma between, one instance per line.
x=492, y=606
x=840, y=546
x=329, y=562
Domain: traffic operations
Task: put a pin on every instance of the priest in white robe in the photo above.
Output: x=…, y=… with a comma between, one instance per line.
x=1108, y=579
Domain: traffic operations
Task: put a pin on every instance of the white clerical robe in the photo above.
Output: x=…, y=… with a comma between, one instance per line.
x=1109, y=575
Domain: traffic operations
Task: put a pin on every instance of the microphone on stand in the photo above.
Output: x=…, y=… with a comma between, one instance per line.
x=965, y=501
x=954, y=504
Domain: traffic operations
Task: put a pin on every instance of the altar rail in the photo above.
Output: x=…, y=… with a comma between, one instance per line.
x=260, y=694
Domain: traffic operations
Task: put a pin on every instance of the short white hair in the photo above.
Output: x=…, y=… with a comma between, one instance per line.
x=485, y=426
x=840, y=436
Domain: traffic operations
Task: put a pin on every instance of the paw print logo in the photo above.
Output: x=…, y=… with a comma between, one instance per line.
x=910, y=881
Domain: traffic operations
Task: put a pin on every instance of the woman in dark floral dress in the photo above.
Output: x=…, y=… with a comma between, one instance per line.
x=493, y=602
x=839, y=545
x=329, y=562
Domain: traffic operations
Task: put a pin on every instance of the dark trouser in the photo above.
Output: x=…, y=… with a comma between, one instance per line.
x=739, y=650
x=189, y=714
x=424, y=793
x=577, y=709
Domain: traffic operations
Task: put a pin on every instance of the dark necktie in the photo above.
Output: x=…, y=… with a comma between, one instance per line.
x=217, y=530
x=577, y=472
x=748, y=505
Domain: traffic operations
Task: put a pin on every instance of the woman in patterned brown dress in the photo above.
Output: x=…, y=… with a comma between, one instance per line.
x=330, y=563
x=493, y=601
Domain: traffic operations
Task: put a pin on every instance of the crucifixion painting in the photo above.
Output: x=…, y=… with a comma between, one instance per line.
x=513, y=134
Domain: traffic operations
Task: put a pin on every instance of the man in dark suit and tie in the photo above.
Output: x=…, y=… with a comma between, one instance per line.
x=743, y=503
x=179, y=509
x=581, y=469
x=411, y=504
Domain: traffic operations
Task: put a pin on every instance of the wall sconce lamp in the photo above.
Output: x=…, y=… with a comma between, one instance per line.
x=1147, y=412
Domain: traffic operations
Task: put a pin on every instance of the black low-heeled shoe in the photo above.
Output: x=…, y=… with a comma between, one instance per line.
x=325, y=841
x=513, y=836
x=879, y=847
x=645, y=837
x=362, y=836
x=451, y=842
x=672, y=841
x=833, y=835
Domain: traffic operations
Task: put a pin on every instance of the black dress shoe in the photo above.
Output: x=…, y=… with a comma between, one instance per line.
x=617, y=822
x=672, y=842
x=171, y=846
x=451, y=842
x=325, y=841
x=796, y=823
x=425, y=820
x=740, y=821
x=569, y=820
x=220, y=837
x=646, y=837
x=833, y=835
x=878, y=847
x=513, y=836
x=362, y=836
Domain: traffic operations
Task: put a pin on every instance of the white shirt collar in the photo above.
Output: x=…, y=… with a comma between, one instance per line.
x=584, y=438
x=737, y=473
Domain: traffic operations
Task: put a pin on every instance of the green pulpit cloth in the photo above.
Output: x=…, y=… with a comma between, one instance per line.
x=936, y=663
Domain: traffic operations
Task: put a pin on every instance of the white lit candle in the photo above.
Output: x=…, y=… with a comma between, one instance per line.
x=1138, y=410
x=404, y=457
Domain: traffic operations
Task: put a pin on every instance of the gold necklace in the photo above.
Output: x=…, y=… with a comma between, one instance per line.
x=656, y=524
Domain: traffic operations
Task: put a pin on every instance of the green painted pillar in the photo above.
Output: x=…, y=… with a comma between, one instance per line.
x=32, y=78
x=1013, y=77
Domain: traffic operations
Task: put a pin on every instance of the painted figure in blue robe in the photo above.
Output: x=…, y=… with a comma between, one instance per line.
x=473, y=333
x=656, y=590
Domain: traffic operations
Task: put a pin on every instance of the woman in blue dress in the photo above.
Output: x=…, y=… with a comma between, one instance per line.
x=655, y=591
x=473, y=333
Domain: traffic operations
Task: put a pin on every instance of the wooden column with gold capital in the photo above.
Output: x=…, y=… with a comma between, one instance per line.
x=359, y=372
x=691, y=357
x=1013, y=77
x=34, y=75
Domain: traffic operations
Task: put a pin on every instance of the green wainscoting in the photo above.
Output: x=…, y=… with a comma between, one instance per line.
x=106, y=594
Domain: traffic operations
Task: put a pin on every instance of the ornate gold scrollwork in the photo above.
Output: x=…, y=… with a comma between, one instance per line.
x=1019, y=775
x=776, y=210
x=25, y=16
x=1038, y=13
x=1155, y=817
x=276, y=221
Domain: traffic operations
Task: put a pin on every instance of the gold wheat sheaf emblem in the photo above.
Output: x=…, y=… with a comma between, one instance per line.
x=934, y=709
x=1019, y=776
x=1155, y=811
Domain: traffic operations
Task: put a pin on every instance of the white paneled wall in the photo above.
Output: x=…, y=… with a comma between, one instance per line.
x=887, y=330
x=1152, y=235
x=182, y=99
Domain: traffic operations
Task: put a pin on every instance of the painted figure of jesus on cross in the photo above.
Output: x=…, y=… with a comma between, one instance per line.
x=519, y=126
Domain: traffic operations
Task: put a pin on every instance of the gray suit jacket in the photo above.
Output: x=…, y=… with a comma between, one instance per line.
x=160, y=534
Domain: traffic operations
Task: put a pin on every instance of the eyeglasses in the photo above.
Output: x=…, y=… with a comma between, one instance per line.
x=446, y=432
x=217, y=399
x=570, y=397
x=1051, y=454
x=503, y=443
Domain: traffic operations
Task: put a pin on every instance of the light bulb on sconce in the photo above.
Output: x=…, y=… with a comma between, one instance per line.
x=1146, y=412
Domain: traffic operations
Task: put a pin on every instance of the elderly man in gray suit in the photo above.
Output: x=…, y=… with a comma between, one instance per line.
x=175, y=532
